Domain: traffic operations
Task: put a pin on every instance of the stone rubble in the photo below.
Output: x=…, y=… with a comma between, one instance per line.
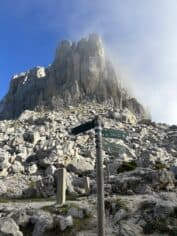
x=140, y=171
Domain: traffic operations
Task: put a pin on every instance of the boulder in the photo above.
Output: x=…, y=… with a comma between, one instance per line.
x=143, y=180
x=50, y=170
x=31, y=136
x=4, y=160
x=130, y=229
x=128, y=117
x=80, y=164
x=77, y=212
x=16, y=168
x=64, y=222
x=9, y=227
x=45, y=187
x=21, y=217
x=44, y=223
x=31, y=168
x=121, y=214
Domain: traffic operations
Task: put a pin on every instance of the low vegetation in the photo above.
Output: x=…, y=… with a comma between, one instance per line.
x=127, y=166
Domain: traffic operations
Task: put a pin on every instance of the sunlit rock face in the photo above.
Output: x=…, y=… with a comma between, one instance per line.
x=80, y=72
x=25, y=92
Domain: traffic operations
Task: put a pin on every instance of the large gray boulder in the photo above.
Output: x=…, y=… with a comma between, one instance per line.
x=64, y=222
x=43, y=223
x=130, y=229
x=142, y=181
x=9, y=227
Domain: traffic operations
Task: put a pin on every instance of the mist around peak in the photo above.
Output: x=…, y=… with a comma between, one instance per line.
x=81, y=71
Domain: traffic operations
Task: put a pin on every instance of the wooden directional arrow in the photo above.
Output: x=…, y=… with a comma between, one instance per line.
x=83, y=127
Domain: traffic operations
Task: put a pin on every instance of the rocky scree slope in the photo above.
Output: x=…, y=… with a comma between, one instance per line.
x=80, y=72
x=140, y=168
x=140, y=172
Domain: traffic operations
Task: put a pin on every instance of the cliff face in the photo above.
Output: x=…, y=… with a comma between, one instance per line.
x=80, y=72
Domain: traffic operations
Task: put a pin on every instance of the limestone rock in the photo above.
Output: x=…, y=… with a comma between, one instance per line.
x=77, y=212
x=31, y=136
x=138, y=171
x=50, y=170
x=4, y=160
x=15, y=186
x=64, y=222
x=128, y=117
x=3, y=189
x=9, y=227
x=45, y=187
x=143, y=180
x=44, y=223
x=31, y=169
x=130, y=229
x=21, y=217
x=120, y=215
x=17, y=167
x=80, y=164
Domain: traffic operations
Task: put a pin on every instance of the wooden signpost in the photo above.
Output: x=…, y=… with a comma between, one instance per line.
x=107, y=133
x=97, y=125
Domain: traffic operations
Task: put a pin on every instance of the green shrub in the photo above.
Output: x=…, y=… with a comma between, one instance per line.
x=127, y=166
x=159, y=165
x=113, y=205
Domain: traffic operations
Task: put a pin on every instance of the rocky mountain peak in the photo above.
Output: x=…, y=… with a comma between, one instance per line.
x=80, y=72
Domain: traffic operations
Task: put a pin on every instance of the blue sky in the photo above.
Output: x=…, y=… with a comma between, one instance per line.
x=140, y=36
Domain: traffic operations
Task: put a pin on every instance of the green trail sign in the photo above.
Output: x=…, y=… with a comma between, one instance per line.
x=113, y=133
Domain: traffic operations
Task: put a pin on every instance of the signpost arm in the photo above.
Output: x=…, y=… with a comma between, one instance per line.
x=83, y=127
x=100, y=177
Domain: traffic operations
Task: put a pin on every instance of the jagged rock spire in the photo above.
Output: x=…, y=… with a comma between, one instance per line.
x=80, y=71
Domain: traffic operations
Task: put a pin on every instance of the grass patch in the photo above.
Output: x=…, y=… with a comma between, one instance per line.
x=113, y=205
x=127, y=166
x=83, y=224
x=59, y=210
x=73, y=197
x=148, y=229
x=78, y=225
x=161, y=227
x=147, y=205
x=174, y=213
x=9, y=200
x=159, y=224
x=159, y=165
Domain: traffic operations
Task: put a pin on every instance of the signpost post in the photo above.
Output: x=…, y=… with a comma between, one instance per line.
x=100, y=177
x=107, y=133
x=97, y=125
